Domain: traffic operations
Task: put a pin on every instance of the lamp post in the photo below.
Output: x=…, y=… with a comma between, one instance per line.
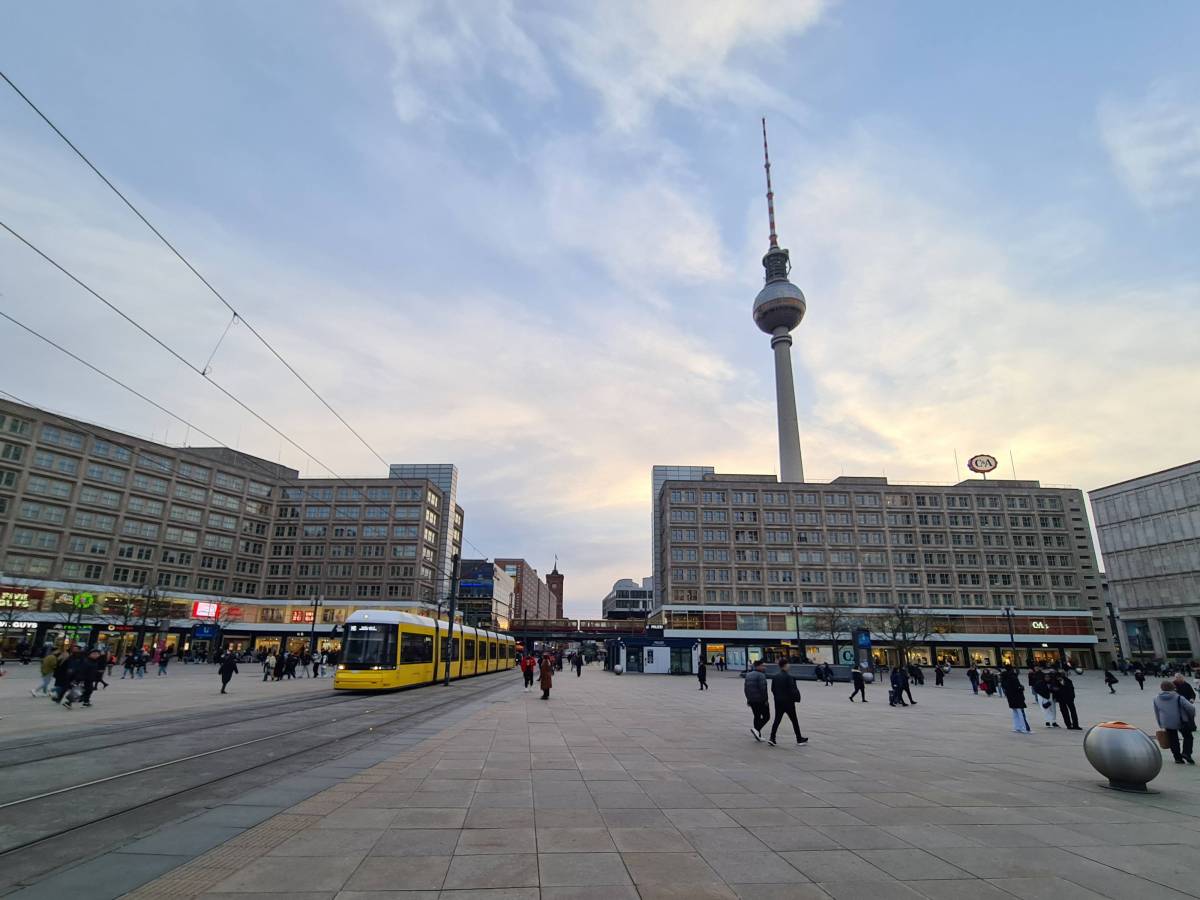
x=796, y=611
x=453, y=600
x=317, y=603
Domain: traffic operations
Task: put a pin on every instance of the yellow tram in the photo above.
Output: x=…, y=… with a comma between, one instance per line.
x=384, y=650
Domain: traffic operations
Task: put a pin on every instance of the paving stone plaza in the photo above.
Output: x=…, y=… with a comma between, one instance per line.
x=642, y=786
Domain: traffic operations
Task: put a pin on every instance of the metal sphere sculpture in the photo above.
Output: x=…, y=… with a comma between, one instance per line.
x=1127, y=756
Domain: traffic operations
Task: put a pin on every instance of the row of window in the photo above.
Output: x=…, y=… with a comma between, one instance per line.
x=854, y=576
x=890, y=500
x=852, y=598
x=321, y=492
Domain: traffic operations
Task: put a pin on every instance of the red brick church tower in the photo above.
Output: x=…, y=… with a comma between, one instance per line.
x=554, y=581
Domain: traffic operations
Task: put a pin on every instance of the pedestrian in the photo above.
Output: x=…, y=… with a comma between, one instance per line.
x=786, y=695
x=316, y=664
x=1183, y=689
x=227, y=670
x=973, y=677
x=1110, y=679
x=1176, y=715
x=1064, y=695
x=280, y=664
x=127, y=665
x=527, y=666
x=546, y=681
x=939, y=674
x=1014, y=693
x=702, y=674
x=49, y=663
x=289, y=666
x=164, y=657
x=68, y=672
x=916, y=676
x=579, y=664
x=268, y=666
x=899, y=681
x=755, y=689
x=990, y=682
x=860, y=684
x=1140, y=677
x=101, y=664
x=1040, y=684
x=92, y=673
x=827, y=674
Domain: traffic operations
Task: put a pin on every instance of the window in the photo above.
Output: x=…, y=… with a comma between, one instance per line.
x=49, y=487
x=94, y=521
x=42, y=512
x=88, y=571
x=140, y=505
x=346, y=512
x=194, y=472
x=98, y=472
x=416, y=648
x=59, y=437
x=218, y=542
x=134, y=528
x=230, y=482
x=13, y=425
x=149, y=484
x=135, y=551
x=181, y=536
x=259, y=490
x=44, y=459
x=226, y=501
x=177, y=557
x=38, y=540
x=186, y=514
x=217, y=520
x=316, y=512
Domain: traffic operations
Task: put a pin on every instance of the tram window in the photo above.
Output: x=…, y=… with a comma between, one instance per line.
x=369, y=645
x=491, y=649
x=470, y=650
x=416, y=648
x=449, y=652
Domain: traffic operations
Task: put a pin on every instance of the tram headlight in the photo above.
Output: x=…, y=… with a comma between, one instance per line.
x=341, y=666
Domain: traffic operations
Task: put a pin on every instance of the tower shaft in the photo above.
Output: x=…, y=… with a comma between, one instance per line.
x=791, y=464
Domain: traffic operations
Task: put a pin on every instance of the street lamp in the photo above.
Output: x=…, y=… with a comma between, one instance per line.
x=1012, y=640
x=796, y=610
x=317, y=603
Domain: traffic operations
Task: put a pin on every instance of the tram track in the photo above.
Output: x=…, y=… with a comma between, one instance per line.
x=76, y=796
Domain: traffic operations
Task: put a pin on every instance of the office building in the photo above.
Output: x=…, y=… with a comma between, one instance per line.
x=532, y=597
x=1149, y=531
x=628, y=599
x=742, y=556
x=486, y=594
x=97, y=527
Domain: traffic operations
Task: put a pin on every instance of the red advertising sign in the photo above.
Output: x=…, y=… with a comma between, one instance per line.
x=205, y=609
x=304, y=616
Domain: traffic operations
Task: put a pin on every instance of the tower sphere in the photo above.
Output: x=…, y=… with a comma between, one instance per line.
x=780, y=304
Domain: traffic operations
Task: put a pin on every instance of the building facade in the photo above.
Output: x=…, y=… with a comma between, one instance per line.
x=486, y=594
x=99, y=528
x=555, y=583
x=532, y=597
x=628, y=599
x=751, y=567
x=1149, y=532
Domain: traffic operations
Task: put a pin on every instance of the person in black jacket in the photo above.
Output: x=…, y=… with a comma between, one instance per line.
x=860, y=685
x=1014, y=693
x=1183, y=689
x=755, y=689
x=1063, y=689
x=786, y=695
x=702, y=674
x=228, y=669
x=69, y=671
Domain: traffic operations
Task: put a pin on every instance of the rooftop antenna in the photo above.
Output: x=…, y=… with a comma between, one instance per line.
x=770, y=193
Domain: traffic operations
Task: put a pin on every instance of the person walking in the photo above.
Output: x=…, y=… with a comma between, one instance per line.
x=140, y=659
x=899, y=681
x=939, y=674
x=1014, y=693
x=49, y=663
x=527, y=666
x=127, y=665
x=973, y=677
x=1110, y=680
x=92, y=673
x=164, y=657
x=227, y=670
x=1064, y=695
x=316, y=664
x=1176, y=716
x=860, y=684
x=101, y=664
x=1140, y=677
x=1183, y=689
x=1041, y=685
x=546, y=680
x=755, y=689
x=579, y=664
x=786, y=695
x=702, y=674
x=269, y=663
x=69, y=671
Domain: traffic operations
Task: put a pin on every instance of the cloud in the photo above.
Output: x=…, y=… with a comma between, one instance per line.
x=1154, y=143
x=630, y=54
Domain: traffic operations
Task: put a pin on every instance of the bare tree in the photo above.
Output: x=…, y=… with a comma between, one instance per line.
x=832, y=622
x=904, y=628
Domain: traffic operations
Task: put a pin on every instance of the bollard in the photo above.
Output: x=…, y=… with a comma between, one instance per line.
x=618, y=669
x=1127, y=756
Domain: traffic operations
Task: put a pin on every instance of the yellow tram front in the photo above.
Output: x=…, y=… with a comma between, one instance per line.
x=385, y=650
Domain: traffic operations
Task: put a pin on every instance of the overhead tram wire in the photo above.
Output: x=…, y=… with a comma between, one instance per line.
x=236, y=315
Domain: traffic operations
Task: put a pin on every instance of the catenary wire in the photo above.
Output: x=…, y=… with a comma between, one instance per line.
x=191, y=268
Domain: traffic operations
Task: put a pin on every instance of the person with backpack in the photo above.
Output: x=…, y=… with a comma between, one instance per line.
x=755, y=689
x=527, y=666
x=786, y=695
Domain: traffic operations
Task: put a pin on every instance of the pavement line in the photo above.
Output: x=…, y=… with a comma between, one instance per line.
x=170, y=762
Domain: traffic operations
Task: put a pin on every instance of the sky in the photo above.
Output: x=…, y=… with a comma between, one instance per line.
x=525, y=238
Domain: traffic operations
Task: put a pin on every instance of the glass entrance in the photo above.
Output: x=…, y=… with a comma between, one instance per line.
x=633, y=659
x=681, y=661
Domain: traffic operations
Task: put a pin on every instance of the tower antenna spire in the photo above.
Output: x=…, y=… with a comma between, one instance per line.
x=770, y=193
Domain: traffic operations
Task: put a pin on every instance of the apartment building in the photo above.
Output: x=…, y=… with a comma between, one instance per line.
x=96, y=524
x=751, y=567
x=1149, y=531
x=628, y=599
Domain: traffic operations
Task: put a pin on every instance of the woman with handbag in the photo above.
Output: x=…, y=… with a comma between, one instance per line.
x=1175, y=715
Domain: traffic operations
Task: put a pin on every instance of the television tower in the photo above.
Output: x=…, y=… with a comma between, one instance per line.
x=778, y=308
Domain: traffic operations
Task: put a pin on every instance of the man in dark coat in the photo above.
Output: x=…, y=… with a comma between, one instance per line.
x=1014, y=693
x=1063, y=689
x=228, y=669
x=702, y=674
x=69, y=671
x=755, y=689
x=786, y=695
x=973, y=677
x=1183, y=689
x=860, y=684
x=899, y=682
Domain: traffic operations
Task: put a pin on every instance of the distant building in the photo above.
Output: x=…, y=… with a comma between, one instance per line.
x=628, y=599
x=486, y=594
x=532, y=597
x=554, y=581
x=1149, y=530
x=749, y=566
